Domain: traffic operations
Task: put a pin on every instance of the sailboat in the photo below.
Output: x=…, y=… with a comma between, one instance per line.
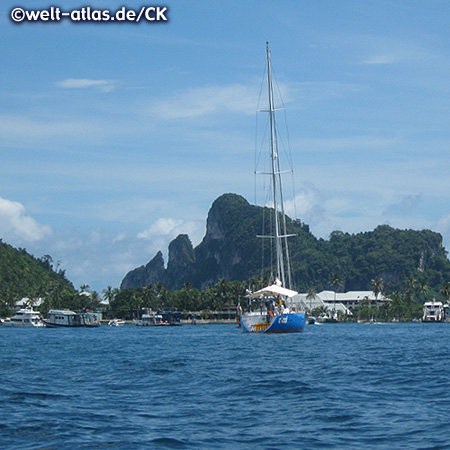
x=269, y=309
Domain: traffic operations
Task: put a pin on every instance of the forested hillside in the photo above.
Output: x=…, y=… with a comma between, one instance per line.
x=23, y=275
x=231, y=250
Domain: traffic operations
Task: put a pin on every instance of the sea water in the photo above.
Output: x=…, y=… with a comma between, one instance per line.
x=335, y=386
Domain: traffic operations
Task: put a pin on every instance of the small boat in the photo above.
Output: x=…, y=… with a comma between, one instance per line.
x=269, y=310
x=161, y=318
x=326, y=318
x=26, y=317
x=151, y=319
x=116, y=323
x=173, y=318
x=433, y=311
x=69, y=319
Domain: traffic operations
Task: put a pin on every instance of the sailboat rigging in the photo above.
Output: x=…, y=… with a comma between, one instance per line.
x=273, y=315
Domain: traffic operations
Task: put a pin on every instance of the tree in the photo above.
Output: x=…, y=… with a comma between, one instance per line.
x=311, y=295
x=445, y=291
x=109, y=293
x=95, y=299
x=410, y=288
x=337, y=283
x=55, y=296
x=377, y=289
x=423, y=287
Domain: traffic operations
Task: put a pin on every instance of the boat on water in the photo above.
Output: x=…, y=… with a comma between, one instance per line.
x=150, y=319
x=311, y=320
x=159, y=319
x=434, y=311
x=269, y=309
x=116, y=323
x=25, y=317
x=327, y=318
x=57, y=318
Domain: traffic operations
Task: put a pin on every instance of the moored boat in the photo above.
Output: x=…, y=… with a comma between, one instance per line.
x=326, y=318
x=271, y=313
x=434, y=311
x=116, y=323
x=269, y=310
x=150, y=319
x=25, y=317
x=57, y=318
x=311, y=320
x=158, y=319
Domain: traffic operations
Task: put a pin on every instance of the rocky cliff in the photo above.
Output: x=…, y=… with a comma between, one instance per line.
x=231, y=250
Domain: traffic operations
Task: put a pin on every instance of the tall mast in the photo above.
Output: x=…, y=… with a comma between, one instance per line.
x=275, y=171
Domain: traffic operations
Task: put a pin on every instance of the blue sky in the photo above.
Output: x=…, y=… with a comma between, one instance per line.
x=115, y=138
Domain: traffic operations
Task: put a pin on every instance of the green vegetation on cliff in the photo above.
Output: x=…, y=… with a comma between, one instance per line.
x=23, y=275
x=232, y=251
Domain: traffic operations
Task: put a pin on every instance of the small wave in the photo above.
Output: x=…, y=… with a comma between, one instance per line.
x=170, y=443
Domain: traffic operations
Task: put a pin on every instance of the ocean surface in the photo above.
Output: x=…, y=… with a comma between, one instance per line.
x=334, y=386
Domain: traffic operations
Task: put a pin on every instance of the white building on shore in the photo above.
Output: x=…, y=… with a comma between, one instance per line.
x=335, y=301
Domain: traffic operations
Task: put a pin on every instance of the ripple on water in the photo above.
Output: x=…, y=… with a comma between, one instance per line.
x=344, y=386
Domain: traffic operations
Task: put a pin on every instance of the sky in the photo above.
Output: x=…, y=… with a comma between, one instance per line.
x=117, y=137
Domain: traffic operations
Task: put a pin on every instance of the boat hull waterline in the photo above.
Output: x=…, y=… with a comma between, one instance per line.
x=286, y=323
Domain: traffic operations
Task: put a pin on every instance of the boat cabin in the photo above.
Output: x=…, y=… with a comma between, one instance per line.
x=433, y=311
x=66, y=318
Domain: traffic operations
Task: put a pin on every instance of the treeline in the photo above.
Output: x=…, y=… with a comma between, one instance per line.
x=391, y=254
x=410, y=268
x=404, y=305
x=232, y=250
x=23, y=275
x=225, y=295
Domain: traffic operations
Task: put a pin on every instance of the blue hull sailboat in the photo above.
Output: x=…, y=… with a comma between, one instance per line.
x=269, y=308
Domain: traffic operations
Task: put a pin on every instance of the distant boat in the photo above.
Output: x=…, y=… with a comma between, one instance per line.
x=434, y=311
x=26, y=317
x=150, y=319
x=311, y=320
x=161, y=318
x=69, y=319
x=269, y=310
x=325, y=318
x=116, y=323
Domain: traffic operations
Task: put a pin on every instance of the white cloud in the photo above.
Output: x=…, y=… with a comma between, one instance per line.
x=83, y=83
x=404, y=206
x=19, y=130
x=166, y=229
x=381, y=59
x=207, y=100
x=162, y=227
x=308, y=205
x=15, y=224
x=385, y=50
x=443, y=227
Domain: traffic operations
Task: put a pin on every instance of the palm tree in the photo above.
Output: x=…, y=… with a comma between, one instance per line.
x=423, y=288
x=411, y=286
x=109, y=293
x=48, y=260
x=377, y=289
x=95, y=299
x=445, y=291
x=337, y=283
x=84, y=287
x=56, y=296
x=396, y=305
x=311, y=295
